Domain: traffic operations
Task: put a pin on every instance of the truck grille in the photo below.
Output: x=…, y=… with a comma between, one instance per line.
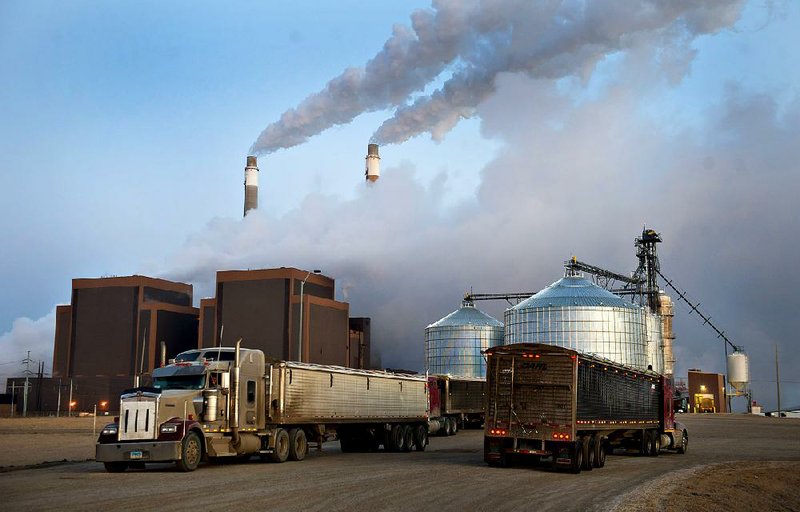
x=137, y=419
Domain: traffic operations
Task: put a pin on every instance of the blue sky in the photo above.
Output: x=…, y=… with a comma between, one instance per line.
x=124, y=128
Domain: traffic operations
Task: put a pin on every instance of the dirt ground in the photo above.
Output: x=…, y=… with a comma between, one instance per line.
x=711, y=477
x=741, y=486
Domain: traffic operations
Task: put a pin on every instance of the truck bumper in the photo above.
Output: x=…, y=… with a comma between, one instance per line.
x=152, y=451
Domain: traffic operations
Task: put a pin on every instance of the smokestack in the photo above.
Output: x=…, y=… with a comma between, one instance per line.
x=373, y=163
x=250, y=185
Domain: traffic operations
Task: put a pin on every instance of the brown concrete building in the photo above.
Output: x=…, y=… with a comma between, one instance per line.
x=263, y=309
x=111, y=331
x=706, y=392
x=359, y=347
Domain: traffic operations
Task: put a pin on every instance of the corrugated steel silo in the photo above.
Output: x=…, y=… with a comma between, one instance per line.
x=453, y=345
x=575, y=313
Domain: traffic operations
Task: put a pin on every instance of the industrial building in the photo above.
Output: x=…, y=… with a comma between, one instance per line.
x=706, y=392
x=453, y=345
x=264, y=308
x=114, y=328
x=111, y=332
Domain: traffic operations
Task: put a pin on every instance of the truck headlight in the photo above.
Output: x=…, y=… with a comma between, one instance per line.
x=109, y=430
x=169, y=429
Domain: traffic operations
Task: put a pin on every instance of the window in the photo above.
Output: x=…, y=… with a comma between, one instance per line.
x=251, y=392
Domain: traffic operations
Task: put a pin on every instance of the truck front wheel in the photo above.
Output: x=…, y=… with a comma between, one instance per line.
x=191, y=453
x=684, y=442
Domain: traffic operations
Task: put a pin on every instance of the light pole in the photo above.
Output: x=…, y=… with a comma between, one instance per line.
x=300, y=326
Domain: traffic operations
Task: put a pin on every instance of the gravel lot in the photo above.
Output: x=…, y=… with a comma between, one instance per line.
x=734, y=462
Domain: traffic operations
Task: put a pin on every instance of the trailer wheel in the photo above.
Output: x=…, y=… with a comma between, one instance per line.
x=588, y=452
x=408, y=438
x=298, y=444
x=576, y=462
x=684, y=442
x=420, y=438
x=396, y=439
x=599, y=452
x=191, y=453
x=281, y=451
x=115, y=467
x=655, y=443
x=644, y=448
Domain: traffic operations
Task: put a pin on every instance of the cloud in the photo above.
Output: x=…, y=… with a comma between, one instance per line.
x=27, y=334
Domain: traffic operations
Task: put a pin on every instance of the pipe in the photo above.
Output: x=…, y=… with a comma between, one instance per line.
x=234, y=402
x=163, y=354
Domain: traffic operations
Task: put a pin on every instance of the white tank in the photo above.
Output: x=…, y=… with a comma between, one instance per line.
x=738, y=370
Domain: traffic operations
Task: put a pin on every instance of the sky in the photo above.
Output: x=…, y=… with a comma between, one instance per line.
x=513, y=135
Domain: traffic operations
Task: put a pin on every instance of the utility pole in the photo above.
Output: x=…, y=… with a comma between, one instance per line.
x=58, y=406
x=69, y=406
x=27, y=362
x=778, y=379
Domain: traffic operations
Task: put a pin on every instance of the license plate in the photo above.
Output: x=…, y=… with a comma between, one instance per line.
x=137, y=454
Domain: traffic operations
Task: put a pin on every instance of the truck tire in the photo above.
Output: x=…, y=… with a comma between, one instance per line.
x=115, y=467
x=298, y=444
x=655, y=443
x=420, y=438
x=455, y=425
x=576, y=457
x=191, y=453
x=644, y=445
x=396, y=439
x=588, y=453
x=281, y=451
x=448, y=430
x=599, y=452
x=408, y=438
x=684, y=443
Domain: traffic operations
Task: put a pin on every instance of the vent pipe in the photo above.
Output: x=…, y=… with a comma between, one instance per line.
x=250, y=184
x=373, y=171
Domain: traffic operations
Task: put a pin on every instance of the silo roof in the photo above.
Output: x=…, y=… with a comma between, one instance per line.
x=574, y=291
x=467, y=315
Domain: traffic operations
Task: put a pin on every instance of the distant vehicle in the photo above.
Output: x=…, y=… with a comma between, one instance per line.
x=455, y=402
x=229, y=403
x=571, y=409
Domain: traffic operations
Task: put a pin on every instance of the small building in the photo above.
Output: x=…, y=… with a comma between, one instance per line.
x=706, y=392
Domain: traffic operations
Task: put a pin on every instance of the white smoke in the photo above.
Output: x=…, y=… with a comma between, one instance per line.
x=469, y=43
x=26, y=334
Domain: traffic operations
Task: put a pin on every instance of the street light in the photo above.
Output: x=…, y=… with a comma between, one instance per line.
x=300, y=327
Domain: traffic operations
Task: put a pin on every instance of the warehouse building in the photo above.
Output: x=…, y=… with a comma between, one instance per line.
x=706, y=392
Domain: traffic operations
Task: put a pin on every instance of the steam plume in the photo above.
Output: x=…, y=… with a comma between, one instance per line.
x=468, y=43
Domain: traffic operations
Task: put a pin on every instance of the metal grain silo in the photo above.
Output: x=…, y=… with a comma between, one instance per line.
x=453, y=345
x=575, y=313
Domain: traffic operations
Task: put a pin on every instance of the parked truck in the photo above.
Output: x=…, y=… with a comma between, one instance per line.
x=571, y=409
x=224, y=403
x=455, y=402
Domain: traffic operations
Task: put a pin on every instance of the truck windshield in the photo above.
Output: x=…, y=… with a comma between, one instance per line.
x=180, y=382
x=187, y=356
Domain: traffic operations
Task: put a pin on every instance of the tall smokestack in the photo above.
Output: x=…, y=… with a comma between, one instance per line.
x=373, y=163
x=250, y=185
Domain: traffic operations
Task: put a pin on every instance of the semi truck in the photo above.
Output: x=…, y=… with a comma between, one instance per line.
x=571, y=409
x=455, y=402
x=232, y=403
